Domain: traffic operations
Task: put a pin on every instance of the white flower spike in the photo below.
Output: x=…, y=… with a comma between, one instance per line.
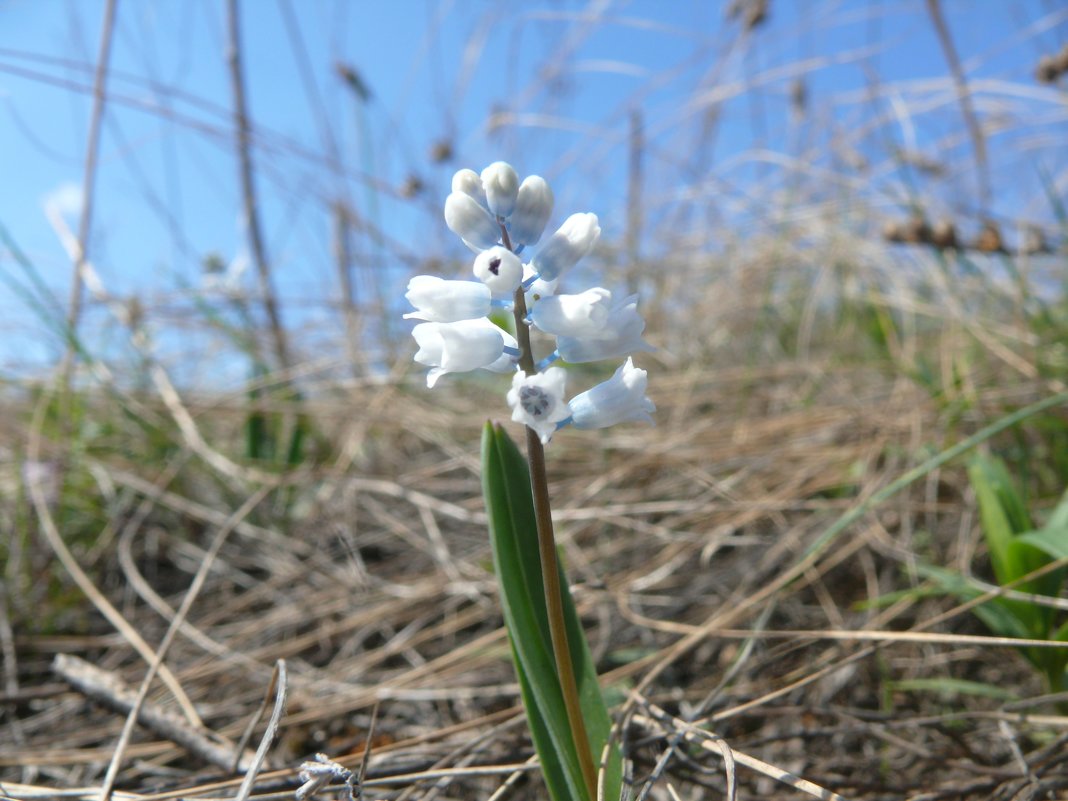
x=537, y=401
x=497, y=216
x=622, y=334
x=457, y=347
x=618, y=400
x=439, y=301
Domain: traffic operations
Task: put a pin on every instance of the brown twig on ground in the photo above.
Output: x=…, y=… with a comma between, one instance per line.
x=108, y=689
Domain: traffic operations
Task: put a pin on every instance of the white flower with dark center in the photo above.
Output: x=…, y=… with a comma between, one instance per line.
x=622, y=334
x=499, y=269
x=457, y=347
x=582, y=315
x=439, y=301
x=537, y=401
x=618, y=400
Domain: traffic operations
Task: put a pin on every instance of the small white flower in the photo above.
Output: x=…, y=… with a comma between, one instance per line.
x=619, y=399
x=622, y=334
x=499, y=269
x=571, y=242
x=582, y=315
x=501, y=185
x=532, y=210
x=457, y=347
x=466, y=218
x=537, y=401
x=439, y=301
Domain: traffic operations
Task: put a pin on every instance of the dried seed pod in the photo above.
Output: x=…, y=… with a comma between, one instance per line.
x=1046, y=71
x=1060, y=61
x=892, y=232
x=944, y=235
x=412, y=186
x=1033, y=241
x=441, y=151
x=989, y=239
x=917, y=231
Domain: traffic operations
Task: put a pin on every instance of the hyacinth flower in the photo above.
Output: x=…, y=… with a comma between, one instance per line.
x=499, y=218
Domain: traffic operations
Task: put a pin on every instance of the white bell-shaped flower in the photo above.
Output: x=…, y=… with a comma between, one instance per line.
x=457, y=347
x=439, y=301
x=508, y=359
x=622, y=334
x=582, y=315
x=538, y=402
x=466, y=218
x=533, y=207
x=499, y=269
x=501, y=185
x=571, y=242
x=619, y=399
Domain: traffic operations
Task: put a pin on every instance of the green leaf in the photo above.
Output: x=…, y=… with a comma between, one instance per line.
x=1003, y=514
x=1052, y=538
x=513, y=534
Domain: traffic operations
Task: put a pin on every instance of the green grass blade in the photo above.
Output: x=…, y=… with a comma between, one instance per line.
x=1052, y=538
x=1003, y=514
x=513, y=533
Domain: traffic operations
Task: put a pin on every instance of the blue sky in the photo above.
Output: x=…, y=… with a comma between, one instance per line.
x=549, y=86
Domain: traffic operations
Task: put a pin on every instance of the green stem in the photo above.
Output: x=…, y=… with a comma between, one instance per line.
x=550, y=571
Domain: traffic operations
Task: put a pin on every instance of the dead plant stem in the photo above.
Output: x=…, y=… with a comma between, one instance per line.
x=248, y=186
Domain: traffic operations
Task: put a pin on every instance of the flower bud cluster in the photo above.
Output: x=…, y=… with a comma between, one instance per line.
x=498, y=217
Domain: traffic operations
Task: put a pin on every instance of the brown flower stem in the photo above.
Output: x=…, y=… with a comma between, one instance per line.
x=550, y=571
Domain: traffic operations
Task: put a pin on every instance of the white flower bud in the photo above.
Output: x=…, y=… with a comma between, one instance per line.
x=537, y=401
x=622, y=334
x=457, y=347
x=439, y=301
x=468, y=182
x=499, y=269
x=574, y=239
x=582, y=315
x=619, y=399
x=501, y=185
x=532, y=210
x=472, y=223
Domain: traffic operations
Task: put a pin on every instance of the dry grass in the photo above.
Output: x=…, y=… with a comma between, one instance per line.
x=370, y=579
